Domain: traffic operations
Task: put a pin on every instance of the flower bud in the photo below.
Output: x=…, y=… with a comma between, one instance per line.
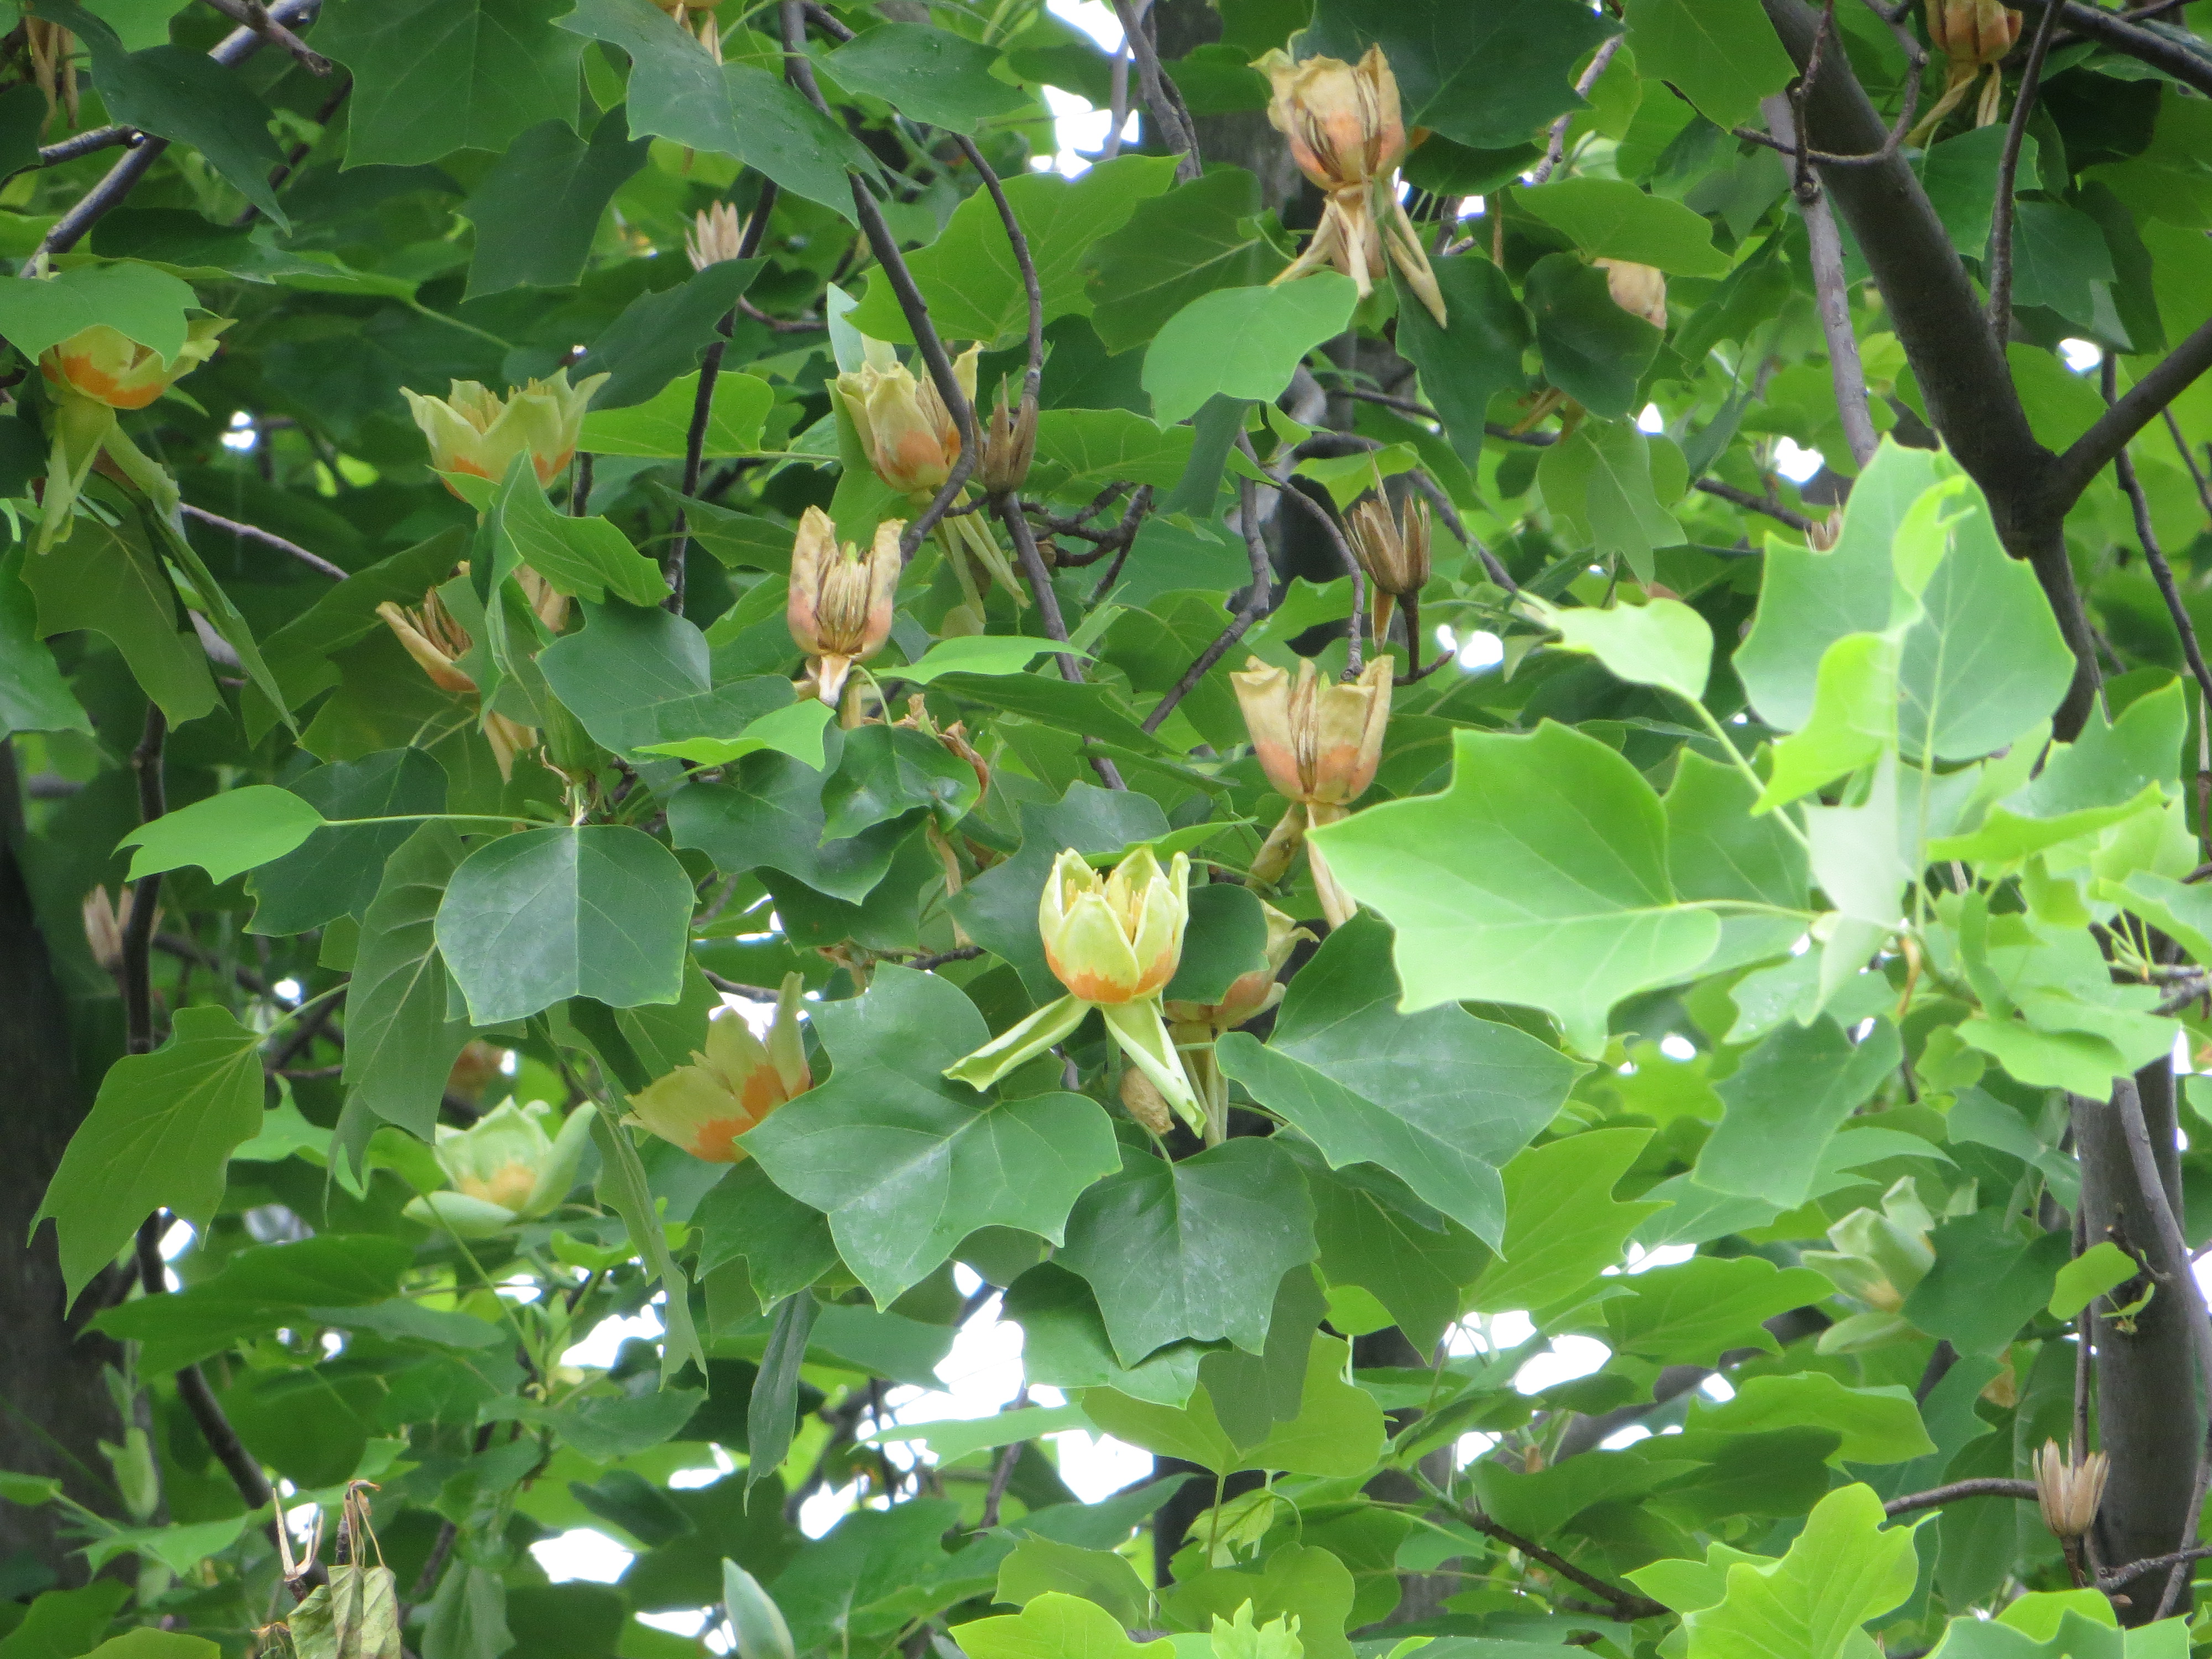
x=1394, y=552
x=1973, y=33
x=1145, y=1102
x=472, y=429
x=704, y=1107
x=1120, y=939
x=503, y=1169
x=1320, y=742
x=1250, y=994
x=104, y=921
x=2069, y=1492
x=1640, y=291
x=839, y=604
x=1009, y=444
x=912, y=440
x=714, y=236
x=110, y=368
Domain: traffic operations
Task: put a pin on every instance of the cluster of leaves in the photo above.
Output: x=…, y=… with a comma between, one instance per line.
x=1745, y=925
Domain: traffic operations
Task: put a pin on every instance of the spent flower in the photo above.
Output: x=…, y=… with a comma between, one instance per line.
x=1347, y=134
x=2069, y=1491
x=1392, y=549
x=1640, y=291
x=1972, y=35
x=1320, y=742
x=715, y=235
x=841, y=601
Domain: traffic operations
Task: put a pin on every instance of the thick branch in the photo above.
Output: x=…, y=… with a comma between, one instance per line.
x=2145, y=399
x=2156, y=47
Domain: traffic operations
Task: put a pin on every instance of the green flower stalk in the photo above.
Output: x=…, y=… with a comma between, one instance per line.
x=1114, y=943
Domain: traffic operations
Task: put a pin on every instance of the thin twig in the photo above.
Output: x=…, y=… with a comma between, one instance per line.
x=1625, y=1604
x=2114, y=1577
x=1170, y=114
x=1751, y=503
x=1912, y=1502
x=256, y=16
x=314, y=561
x=1429, y=486
x=1831, y=294
x=2189, y=459
x=145, y=894
x=1047, y=604
x=937, y=959
x=2000, y=268
x=1403, y=405
x=2093, y=450
x=1259, y=599
x=996, y=1493
x=187, y=950
x=1555, y=151
x=2123, y=467
x=84, y=144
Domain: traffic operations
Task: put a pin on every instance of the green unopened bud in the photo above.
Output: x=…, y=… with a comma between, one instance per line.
x=758, y=1630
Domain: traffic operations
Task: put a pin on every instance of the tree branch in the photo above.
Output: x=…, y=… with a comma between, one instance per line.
x=1259, y=599
x=1168, y=110
x=1327, y=521
x=314, y=561
x=2114, y=1577
x=1009, y=508
x=1625, y=1604
x=254, y=15
x=2159, y=48
x=146, y=893
x=2000, y=266
x=2090, y=452
x=2124, y=465
x=1751, y=503
x=2022, y=1490
x=1555, y=150
x=85, y=142
x=1831, y=296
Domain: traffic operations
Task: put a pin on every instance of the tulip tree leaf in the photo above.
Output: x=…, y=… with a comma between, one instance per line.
x=1242, y=341
x=1440, y=1098
x=1337, y=1430
x=1055, y=1625
x=906, y=1164
x=1538, y=877
x=537, y=211
x=432, y=76
x=1193, y=240
x=1477, y=352
x=1593, y=350
x=1562, y=1227
x=531, y=919
x=661, y=427
x=1485, y=72
x=139, y=301
x=1785, y=1102
x=1692, y=1313
x=1191, y=1249
x=1723, y=54
x=768, y=813
x=34, y=696
x=1375, y=1234
x=1608, y=218
x=638, y=679
x=400, y=1041
x=1844, y=1569
x=159, y=1133
x=930, y=74
x=335, y=870
x=660, y=335
x=225, y=834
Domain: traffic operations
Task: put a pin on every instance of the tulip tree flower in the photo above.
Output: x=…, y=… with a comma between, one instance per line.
x=1972, y=34
x=503, y=1170
x=437, y=643
x=1640, y=291
x=738, y=1080
x=94, y=372
x=474, y=430
x=1319, y=742
x=1392, y=549
x=1347, y=136
x=1114, y=944
x=839, y=603
x=715, y=235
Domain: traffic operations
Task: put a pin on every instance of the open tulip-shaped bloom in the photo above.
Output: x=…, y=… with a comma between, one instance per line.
x=1319, y=742
x=1193, y=1026
x=840, y=604
x=474, y=429
x=1347, y=136
x=1973, y=35
x=738, y=1080
x=503, y=1170
x=94, y=372
x=1114, y=943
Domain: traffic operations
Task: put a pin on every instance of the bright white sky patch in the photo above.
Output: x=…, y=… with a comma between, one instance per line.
x=1797, y=463
x=2080, y=356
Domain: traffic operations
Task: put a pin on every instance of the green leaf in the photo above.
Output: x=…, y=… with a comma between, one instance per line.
x=953, y=1438
x=2101, y=1268
x=109, y=580
x=432, y=76
x=151, y=1643
x=1242, y=341
x=798, y=729
x=1478, y=351
x=335, y=870
x=969, y=275
x=261, y=1288
x=1878, y=1425
x=1485, y=72
x=1538, y=877
x=885, y=773
x=1785, y=1102
x=34, y=696
x=1301, y=1582
x=1226, y=938
x=1987, y=1282
x=176, y=92
x=1190, y=241
x=400, y=1042
x=1064, y=1342
x=159, y=1133
x=1593, y=350
x=659, y=336
x=1054, y=1625
x=931, y=75
x=538, y=210
x=1693, y=1312
x=905, y=1164
x=974, y=653
x=771, y=1412
x=661, y=427
x=1038, y=1566
x=138, y=302
x=1440, y=1098
x=1081, y=451
x=1599, y=478
x=2060, y=259
x=1338, y=1430
x=1375, y=1234
x=768, y=813
x=1723, y=55
x=1562, y=1227
x=225, y=834
x=1089, y=708
x=61, y=1624
x=468, y=1615
x=1608, y=218
x=586, y=558
x=1663, y=643
x=1843, y=1570
x=534, y=919
x=1191, y=1249
x=638, y=677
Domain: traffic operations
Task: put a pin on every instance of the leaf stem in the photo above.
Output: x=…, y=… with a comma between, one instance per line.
x=1751, y=775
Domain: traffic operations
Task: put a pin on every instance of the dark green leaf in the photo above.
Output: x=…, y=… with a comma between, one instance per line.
x=34, y=696
x=537, y=211
x=931, y=75
x=661, y=336
x=772, y=1414
x=400, y=1042
x=1789, y=1096
x=887, y=772
x=767, y=812
x=1477, y=355
x=335, y=870
x=1593, y=350
x=1987, y=1282
x=432, y=76
x=637, y=676
x=1177, y=246
x=1226, y=938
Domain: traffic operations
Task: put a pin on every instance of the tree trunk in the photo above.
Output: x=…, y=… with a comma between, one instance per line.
x=55, y=1407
